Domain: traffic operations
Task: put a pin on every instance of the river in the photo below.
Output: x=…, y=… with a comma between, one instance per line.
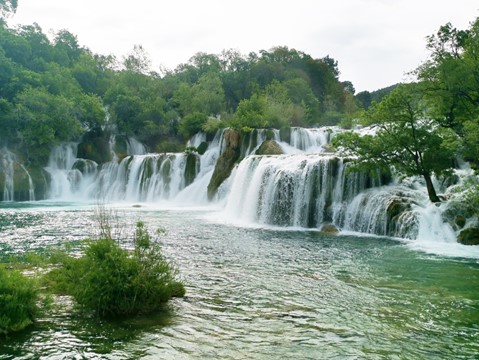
x=258, y=292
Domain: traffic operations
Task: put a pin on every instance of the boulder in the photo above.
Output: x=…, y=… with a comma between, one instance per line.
x=269, y=147
x=469, y=236
x=329, y=229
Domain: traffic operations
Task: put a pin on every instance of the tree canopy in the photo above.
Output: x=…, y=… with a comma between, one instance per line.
x=56, y=90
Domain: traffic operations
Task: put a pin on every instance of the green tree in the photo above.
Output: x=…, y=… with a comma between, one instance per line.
x=8, y=7
x=451, y=83
x=44, y=120
x=405, y=140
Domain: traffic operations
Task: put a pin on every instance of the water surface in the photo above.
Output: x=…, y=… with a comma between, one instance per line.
x=257, y=293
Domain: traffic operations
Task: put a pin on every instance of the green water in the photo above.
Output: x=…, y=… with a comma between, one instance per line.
x=260, y=294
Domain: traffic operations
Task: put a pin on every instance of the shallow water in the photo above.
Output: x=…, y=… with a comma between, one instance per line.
x=256, y=293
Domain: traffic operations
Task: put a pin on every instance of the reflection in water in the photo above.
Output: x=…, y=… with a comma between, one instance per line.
x=262, y=294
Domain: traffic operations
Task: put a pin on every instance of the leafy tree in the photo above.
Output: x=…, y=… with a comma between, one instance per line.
x=138, y=61
x=8, y=7
x=44, y=120
x=404, y=139
x=192, y=123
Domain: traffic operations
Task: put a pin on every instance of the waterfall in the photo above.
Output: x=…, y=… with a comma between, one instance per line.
x=64, y=178
x=134, y=147
x=306, y=187
x=7, y=161
x=310, y=140
x=17, y=181
x=301, y=190
x=308, y=190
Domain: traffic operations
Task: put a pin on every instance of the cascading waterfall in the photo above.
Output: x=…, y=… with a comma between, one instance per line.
x=7, y=160
x=306, y=187
x=64, y=178
x=311, y=140
x=12, y=169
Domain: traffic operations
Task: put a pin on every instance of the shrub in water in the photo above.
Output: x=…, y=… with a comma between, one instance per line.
x=113, y=281
x=18, y=297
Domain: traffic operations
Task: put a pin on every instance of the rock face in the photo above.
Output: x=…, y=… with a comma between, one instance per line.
x=269, y=147
x=226, y=161
x=469, y=236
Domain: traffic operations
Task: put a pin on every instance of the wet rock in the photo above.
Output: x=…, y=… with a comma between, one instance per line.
x=469, y=236
x=460, y=221
x=191, y=168
x=329, y=229
x=269, y=147
x=226, y=161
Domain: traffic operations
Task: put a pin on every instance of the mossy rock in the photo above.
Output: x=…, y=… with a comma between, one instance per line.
x=226, y=161
x=201, y=149
x=329, y=229
x=460, y=221
x=469, y=236
x=396, y=207
x=191, y=168
x=269, y=147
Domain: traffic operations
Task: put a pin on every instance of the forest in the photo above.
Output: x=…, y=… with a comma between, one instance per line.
x=52, y=90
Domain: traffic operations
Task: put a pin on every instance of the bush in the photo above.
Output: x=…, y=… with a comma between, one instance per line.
x=113, y=281
x=18, y=301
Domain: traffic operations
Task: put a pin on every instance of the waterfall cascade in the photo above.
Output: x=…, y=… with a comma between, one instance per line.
x=14, y=173
x=307, y=186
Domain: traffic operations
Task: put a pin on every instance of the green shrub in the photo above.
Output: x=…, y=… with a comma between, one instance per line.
x=113, y=281
x=18, y=301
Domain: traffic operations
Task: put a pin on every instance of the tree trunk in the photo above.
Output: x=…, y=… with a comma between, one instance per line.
x=430, y=188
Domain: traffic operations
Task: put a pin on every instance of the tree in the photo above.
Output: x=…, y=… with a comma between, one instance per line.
x=8, y=7
x=451, y=83
x=138, y=61
x=405, y=140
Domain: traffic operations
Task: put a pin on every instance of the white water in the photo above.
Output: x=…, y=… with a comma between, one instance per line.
x=8, y=167
x=305, y=188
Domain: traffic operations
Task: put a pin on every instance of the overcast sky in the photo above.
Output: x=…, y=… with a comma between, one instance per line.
x=376, y=42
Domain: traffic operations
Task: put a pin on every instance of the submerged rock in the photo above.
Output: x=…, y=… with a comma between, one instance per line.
x=269, y=147
x=469, y=236
x=329, y=229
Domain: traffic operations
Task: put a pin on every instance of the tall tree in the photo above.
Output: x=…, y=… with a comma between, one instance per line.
x=404, y=140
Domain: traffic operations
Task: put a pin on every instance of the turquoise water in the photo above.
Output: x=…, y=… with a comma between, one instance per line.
x=256, y=293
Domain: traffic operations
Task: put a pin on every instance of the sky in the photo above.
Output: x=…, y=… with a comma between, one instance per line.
x=376, y=42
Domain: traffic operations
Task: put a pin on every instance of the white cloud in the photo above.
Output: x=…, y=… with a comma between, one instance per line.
x=374, y=41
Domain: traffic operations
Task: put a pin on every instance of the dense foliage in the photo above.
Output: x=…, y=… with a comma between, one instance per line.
x=53, y=90
x=18, y=301
x=112, y=281
x=422, y=128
